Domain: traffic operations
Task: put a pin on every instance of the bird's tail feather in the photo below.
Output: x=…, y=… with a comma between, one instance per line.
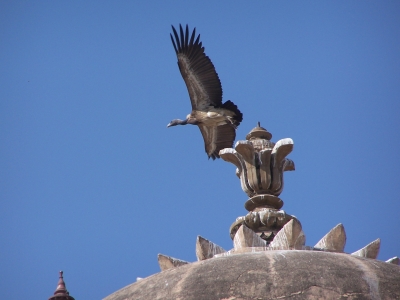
x=238, y=117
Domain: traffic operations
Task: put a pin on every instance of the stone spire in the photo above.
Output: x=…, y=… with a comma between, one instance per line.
x=260, y=165
x=61, y=292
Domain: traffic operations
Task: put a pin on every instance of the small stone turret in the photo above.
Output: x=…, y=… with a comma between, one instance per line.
x=61, y=292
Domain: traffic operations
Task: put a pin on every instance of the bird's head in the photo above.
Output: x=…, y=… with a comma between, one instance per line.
x=177, y=122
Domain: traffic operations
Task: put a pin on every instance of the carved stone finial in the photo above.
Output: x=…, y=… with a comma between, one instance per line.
x=260, y=165
x=61, y=292
x=259, y=132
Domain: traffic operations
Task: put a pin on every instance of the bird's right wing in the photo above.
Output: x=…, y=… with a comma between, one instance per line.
x=197, y=70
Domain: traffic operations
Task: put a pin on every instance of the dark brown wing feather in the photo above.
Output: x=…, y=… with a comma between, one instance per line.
x=197, y=70
x=217, y=138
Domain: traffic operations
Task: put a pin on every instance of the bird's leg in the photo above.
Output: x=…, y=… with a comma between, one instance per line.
x=230, y=119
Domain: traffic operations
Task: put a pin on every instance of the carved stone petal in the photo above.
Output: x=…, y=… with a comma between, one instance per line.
x=281, y=149
x=246, y=149
x=274, y=218
x=206, y=249
x=369, y=251
x=252, y=220
x=230, y=155
x=235, y=226
x=289, y=165
x=334, y=240
x=394, y=260
x=168, y=262
x=291, y=236
x=265, y=168
x=246, y=237
x=234, y=157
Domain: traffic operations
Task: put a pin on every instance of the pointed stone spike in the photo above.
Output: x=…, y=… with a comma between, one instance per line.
x=291, y=236
x=206, y=249
x=369, y=251
x=245, y=237
x=334, y=240
x=394, y=260
x=168, y=262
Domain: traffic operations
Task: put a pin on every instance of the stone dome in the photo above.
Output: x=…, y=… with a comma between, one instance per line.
x=275, y=274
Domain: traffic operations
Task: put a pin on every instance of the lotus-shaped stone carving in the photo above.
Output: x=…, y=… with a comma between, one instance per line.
x=260, y=163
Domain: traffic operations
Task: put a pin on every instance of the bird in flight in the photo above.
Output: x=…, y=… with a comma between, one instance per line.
x=217, y=121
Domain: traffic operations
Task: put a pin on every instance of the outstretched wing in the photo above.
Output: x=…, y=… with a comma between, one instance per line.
x=217, y=138
x=197, y=70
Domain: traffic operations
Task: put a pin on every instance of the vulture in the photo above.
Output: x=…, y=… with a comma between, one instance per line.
x=217, y=121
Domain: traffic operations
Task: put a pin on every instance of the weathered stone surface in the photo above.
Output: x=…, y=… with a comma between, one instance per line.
x=206, y=249
x=369, y=251
x=246, y=237
x=243, y=250
x=291, y=236
x=293, y=274
x=168, y=262
x=334, y=240
x=394, y=260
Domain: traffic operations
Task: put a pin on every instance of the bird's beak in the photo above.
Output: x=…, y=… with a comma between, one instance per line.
x=169, y=125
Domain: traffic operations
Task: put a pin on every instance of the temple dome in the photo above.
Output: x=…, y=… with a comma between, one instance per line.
x=276, y=274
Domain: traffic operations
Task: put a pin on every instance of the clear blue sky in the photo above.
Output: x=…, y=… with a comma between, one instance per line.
x=93, y=183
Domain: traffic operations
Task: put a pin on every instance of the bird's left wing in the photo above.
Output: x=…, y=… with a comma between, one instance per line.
x=217, y=138
x=197, y=70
